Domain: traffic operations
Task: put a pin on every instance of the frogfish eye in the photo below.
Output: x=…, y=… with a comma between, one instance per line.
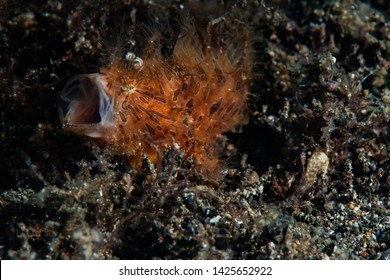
x=85, y=107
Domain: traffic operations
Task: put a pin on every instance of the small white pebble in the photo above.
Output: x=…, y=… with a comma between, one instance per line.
x=215, y=219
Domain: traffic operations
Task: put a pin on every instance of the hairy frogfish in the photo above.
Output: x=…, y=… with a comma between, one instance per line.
x=143, y=103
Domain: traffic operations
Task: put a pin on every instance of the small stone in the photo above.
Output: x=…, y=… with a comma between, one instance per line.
x=317, y=165
x=215, y=219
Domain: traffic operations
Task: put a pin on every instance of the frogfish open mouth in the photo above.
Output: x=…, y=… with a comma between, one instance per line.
x=85, y=106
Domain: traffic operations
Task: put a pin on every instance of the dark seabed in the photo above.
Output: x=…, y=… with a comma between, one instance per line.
x=307, y=177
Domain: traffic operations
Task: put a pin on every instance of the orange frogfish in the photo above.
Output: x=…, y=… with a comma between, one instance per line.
x=145, y=103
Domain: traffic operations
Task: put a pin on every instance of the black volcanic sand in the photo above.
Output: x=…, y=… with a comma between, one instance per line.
x=307, y=178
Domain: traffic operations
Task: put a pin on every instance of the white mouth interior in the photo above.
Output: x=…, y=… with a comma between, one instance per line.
x=85, y=105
